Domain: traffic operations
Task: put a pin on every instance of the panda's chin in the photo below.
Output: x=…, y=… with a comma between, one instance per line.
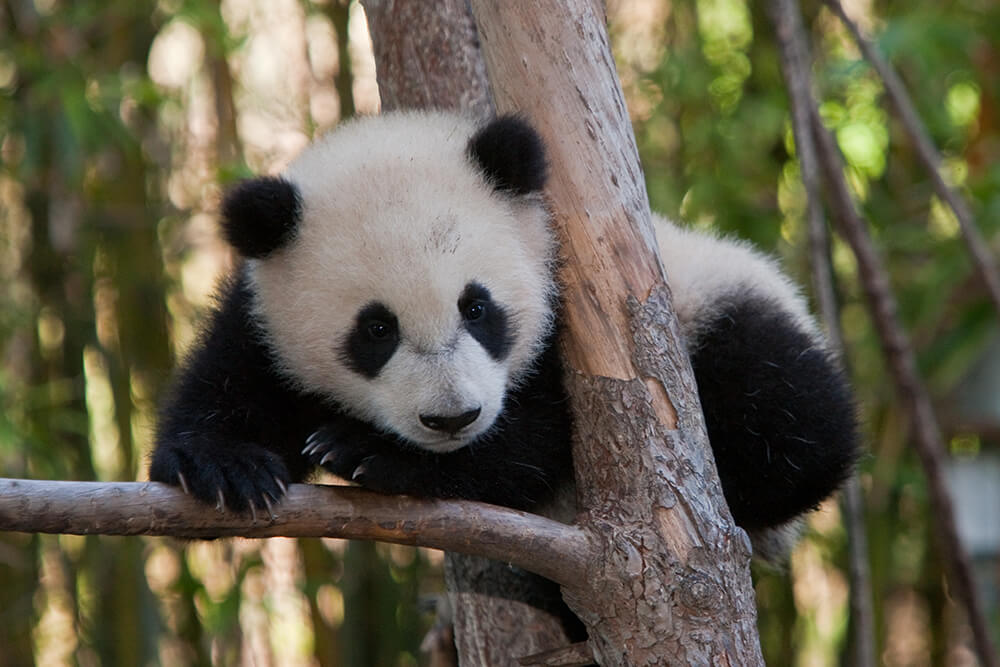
x=445, y=446
x=442, y=444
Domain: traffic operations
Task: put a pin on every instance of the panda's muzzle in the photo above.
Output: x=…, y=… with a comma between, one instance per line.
x=450, y=424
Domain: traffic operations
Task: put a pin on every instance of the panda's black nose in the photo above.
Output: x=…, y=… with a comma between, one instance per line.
x=450, y=425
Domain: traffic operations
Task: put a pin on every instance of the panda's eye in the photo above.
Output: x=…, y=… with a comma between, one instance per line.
x=378, y=330
x=474, y=311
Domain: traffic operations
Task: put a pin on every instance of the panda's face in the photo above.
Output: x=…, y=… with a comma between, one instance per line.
x=435, y=377
x=413, y=292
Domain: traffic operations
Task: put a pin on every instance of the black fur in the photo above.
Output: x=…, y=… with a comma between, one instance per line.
x=260, y=215
x=372, y=341
x=778, y=410
x=233, y=424
x=486, y=320
x=511, y=154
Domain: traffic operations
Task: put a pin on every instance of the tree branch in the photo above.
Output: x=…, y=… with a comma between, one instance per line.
x=927, y=153
x=794, y=51
x=896, y=346
x=554, y=550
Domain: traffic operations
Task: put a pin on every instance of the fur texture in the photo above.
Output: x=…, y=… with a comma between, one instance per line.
x=393, y=323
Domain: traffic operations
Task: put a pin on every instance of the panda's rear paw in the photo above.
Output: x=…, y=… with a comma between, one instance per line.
x=250, y=478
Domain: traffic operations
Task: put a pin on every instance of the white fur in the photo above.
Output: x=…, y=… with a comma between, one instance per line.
x=702, y=267
x=394, y=212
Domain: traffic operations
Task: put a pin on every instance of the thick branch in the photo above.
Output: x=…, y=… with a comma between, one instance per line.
x=795, y=59
x=928, y=155
x=554, y=550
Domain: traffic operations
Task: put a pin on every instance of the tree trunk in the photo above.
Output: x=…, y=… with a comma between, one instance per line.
x=673, y=579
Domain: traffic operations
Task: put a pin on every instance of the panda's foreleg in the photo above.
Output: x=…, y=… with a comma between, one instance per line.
x=496, y=469
x=231, y=429
x=778, y=410
x=249, y=477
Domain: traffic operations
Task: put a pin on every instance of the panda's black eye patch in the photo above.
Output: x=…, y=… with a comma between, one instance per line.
x=372, y=341
x=486, y=320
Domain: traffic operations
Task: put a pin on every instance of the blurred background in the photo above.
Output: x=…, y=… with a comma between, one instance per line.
x=120, y=122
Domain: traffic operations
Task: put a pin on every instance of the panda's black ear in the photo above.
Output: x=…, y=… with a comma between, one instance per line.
x=511, y=154
x=260, y=215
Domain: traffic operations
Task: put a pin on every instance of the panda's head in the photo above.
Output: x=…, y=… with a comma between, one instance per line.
x=402, y=267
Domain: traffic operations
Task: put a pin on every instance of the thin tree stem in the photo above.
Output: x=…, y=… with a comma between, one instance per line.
x=795, y=59
x=896, y=346
x=928, y=155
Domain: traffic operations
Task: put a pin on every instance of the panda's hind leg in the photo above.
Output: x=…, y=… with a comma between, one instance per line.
x=777, y=407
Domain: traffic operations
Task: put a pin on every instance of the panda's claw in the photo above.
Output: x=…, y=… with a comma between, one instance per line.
x=362, y=470
x=234, y=479
x=281, y=485
x=326, y=458
x=313, y=443
x=270, y=508
x=183, y=483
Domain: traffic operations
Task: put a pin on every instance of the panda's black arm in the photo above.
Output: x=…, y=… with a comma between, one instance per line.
x=231, y=429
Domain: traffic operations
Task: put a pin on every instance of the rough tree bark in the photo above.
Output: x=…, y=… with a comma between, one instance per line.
x=427, y=56
x=672, y=581
x=547, y=547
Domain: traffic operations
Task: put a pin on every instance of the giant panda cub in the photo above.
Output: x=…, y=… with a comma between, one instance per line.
x=395, y=320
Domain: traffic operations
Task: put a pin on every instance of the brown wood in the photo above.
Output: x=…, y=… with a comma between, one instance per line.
x=427, y=56
x=569, y=656
x=493, y=626
x=672, y=578
x=552, y=549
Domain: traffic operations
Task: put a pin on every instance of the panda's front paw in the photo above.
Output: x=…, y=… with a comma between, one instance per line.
x=335, y=450
x=349, y=455
x=246, y=478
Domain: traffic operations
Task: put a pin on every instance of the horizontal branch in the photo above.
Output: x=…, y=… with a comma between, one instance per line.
x=554, y=550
